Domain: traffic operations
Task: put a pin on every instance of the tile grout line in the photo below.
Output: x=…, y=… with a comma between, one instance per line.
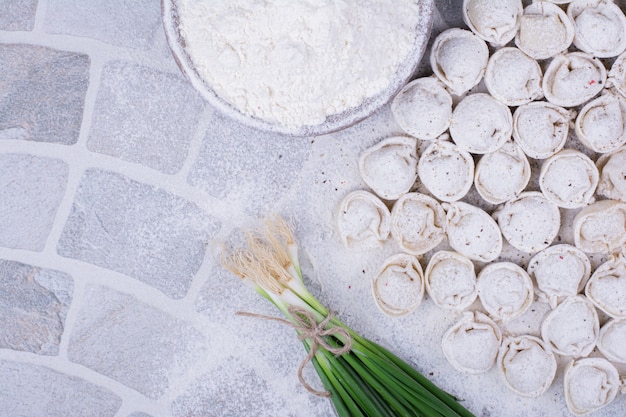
x=72, y=369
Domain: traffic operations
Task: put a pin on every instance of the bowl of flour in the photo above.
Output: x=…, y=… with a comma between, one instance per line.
x=298, y=67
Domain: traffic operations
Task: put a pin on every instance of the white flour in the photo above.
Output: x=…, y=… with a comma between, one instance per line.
x=295, y=62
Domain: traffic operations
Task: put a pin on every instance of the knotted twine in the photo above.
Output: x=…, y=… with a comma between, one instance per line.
x=308, y=328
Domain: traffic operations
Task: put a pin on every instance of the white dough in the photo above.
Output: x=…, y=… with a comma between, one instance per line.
x=362, y=220
x=389, y=168
x=446, y=170
x=418, y=223
x=398, y=287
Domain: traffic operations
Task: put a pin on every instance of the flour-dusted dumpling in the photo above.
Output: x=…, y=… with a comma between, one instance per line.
x=613, y=175
x=423, y=108
x=529, y=222
x=541, y=128
x=418, y=223
x=495, y=21
x=601, y=125
x=459, y=58
x=601, y=227
x=560, y=271
x=617, y=75
x=573, y=78
x=527, y=365
x=606, y=288
x=451, y=280
x=389, y=168
x=471, y=345
x=590, y=384
x=600, y=27
x=569, y=179
x=503, y=174
x=446, y=170
x=362, y=220
x=513, y=77
x=545, y=30
x=481, y=124
x=572, y=328
x=505, y=290
x=398, y=287
x=472, y=232
x=612, y=340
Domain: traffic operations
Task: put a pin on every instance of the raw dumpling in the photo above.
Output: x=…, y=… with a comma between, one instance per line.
x=600, y=125
x=569, y=179
x=459, y=58
x=423, y=108
x=362, y=220
x=572, y=328
x=495, y=21
x=612, y=340
x=600, y=27
x=528, y=367
x=481, y=124
x=590, y=384
x=505, y=290
x=560, y=271
x=513, y=77
x=613, y=175
x=606, y=288
x=545, y=30
x=472, y=232
x=503, y=174
x=418, y=223
x=573, y=78
x=529, y=222
x=446, y=170
x=451, y=280
x=601, y=227
x=389, y=168
x=472, y=344
x=398, y=287
x=541, y=128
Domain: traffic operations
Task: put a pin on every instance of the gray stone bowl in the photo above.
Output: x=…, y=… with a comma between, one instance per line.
x=332, y=123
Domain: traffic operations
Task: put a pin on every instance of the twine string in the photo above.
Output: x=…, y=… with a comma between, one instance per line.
x=308, y=328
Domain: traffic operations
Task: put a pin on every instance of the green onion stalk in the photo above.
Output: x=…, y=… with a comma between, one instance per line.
x=361, y=377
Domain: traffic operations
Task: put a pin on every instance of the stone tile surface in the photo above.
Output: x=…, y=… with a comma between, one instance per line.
x=133, y=343
x=252, y=168
x=241, y=392
x=31, y=390
x=138, y=230
x=33, y=306
x=31, y=189
x=43, y=93
x=17, y=15
x=144, y=116
x=125, y=23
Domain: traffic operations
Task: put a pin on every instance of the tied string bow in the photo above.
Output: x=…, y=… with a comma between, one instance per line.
x=308, y=328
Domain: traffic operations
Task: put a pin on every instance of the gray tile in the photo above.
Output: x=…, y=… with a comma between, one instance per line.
x=133, y=343
x=138, y=230
x=239, y=392
x=250, y=166
x=43, y=93
x=126, y=23
x=144, y=116
x=17, y=15
x=33, y=305
x=31, y=189
x=31, y=390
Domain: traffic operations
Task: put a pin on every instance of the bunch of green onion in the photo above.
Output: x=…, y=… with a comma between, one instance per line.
x=365, y=379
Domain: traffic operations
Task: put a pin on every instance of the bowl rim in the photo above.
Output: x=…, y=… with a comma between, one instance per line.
x=333, y=123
